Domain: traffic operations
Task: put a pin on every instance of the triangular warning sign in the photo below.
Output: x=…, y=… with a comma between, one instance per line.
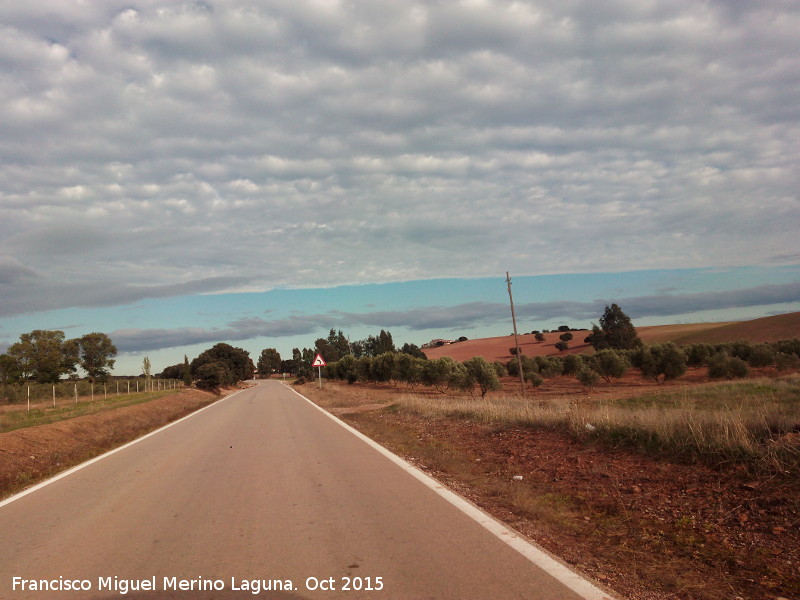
x=318, y=361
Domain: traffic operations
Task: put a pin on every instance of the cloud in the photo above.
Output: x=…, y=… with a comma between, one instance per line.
x=461, y=316
x=25, y=291
x=303, y=144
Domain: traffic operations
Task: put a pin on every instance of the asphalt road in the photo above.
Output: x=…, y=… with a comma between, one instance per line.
x=259, y=488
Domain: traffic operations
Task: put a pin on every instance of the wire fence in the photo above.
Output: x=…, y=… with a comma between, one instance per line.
x=38, y=392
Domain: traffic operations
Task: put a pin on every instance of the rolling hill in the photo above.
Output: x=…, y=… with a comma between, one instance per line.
x=765, y=329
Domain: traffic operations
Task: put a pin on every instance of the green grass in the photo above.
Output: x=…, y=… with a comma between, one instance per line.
x=68, y=409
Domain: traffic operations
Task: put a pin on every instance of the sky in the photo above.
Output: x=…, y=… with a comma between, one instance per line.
x=178, y=174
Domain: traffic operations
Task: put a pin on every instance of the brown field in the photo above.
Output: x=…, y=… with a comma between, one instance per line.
x=497, y=348
x=766, y=329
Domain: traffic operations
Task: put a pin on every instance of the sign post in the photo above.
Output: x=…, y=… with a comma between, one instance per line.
x=319, y=362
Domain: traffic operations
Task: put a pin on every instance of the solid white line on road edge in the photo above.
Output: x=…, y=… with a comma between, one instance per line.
x=536, y=555
x=83, y=465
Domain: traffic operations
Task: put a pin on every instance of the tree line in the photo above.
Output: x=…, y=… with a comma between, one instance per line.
x=617, y=350
x=45, y=356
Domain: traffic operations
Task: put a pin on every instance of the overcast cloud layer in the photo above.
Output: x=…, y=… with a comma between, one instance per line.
x=153, y=148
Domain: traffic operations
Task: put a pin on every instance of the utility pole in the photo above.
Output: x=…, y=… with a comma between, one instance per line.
x=516, y=339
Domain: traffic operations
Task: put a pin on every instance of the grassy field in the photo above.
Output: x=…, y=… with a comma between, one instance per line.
x=754, y=422
x=68, y=409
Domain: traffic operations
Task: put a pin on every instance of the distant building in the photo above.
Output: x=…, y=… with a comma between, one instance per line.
x=436, y=343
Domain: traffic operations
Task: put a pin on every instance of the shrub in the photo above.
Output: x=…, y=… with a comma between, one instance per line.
x=788, y=346
x=762, y=355
x=724, y=366
x=698, y=354
x=787, y=362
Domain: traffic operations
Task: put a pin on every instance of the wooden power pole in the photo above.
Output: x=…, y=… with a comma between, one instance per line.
x=516, y=339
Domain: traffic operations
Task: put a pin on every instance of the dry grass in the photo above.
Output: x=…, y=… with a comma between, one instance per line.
x=756, y=423
x=18, y=419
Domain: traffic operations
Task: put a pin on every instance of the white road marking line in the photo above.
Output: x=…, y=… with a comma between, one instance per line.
x=91, y=461
x=536, y=555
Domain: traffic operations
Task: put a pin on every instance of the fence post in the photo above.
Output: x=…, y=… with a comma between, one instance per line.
x=29, y=398
x=54, y=395
x=76, y=393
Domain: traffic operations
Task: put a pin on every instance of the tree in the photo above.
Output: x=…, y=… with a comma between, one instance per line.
x=237, y=361
x=187, y=372
x=616, y=331
x=562, y=346
x=483, y=373
x=97, y=353
x=377, y=345
x=9, y=371
x=609, y=363
x=413, y=350
x=382, y=367
x=539, y=336
x=565, y=337
x=550, y=366
x=572, y=364
x=334, y=347
x=659, y=361
x=44, y=356
x=172, y=372
x=587, y=377
x=213, y=375
x=146, y=371
x=439, y=373
x=408, y=368
x=269, y=362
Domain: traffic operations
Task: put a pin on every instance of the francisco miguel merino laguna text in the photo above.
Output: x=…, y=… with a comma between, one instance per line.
x=123, y=586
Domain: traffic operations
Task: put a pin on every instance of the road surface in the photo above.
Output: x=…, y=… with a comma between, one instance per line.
x=260, y=490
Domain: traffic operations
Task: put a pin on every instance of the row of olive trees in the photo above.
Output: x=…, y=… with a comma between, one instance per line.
x=662, y=362
x=442, y=374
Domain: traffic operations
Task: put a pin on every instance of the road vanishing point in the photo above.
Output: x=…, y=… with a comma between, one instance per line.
x=263, y=495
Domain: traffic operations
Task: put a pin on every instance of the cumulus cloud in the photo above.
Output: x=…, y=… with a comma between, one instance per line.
x=307, y=144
